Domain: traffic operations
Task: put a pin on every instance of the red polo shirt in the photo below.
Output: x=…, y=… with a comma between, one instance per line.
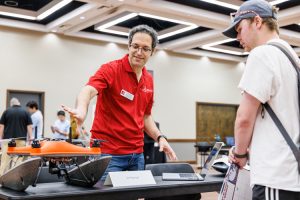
x=122, y=103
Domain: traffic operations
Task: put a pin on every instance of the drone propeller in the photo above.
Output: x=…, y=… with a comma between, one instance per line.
x=41, y=139
x=89, y=140
x=95, y=142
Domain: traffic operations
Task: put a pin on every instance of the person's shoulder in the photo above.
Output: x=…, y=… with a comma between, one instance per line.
x=111, y=66
x=263, y=52
x=39, y=113
x=263, y=49
x=113, y=63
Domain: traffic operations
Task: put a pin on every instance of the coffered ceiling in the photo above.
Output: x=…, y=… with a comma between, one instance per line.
x=185, y=26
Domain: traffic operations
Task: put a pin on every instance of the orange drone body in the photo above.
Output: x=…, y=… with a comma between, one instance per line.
x=54, y=149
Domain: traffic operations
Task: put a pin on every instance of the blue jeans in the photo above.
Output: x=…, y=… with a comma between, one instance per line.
x=126, y=162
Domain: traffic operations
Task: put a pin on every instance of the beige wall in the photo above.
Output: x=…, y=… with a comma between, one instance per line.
x=61, y=65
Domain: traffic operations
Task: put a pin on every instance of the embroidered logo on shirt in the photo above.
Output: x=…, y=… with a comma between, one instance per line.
x=146, y=90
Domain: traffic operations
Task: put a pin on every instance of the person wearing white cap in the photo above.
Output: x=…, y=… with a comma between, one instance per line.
x=269, y=77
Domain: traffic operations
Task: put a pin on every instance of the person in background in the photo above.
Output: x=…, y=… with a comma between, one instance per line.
x=61, y=126
x=15, y=123
x=124, y=91
x=37, y=119
x=270, y=77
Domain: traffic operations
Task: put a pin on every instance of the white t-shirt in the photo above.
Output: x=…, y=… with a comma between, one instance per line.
x=37, y=121
x=270, y=77
x=62, y=126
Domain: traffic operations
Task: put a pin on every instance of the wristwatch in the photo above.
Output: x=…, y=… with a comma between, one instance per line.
x=160, y=136
x=239, y=155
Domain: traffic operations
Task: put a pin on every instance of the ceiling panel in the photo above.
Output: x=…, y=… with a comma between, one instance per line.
x=189, y=26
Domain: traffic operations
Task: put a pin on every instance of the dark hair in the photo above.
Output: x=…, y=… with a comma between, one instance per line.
x=144, y=29
x=61, y=112
x=32, y=104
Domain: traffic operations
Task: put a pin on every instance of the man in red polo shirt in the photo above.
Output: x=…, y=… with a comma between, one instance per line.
x=124, y=91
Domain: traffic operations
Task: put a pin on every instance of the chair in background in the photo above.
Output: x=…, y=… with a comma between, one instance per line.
x=158, y=169
x=151, y=152
x=202, y=148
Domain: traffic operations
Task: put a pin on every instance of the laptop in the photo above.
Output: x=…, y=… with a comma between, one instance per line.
x=195, y=176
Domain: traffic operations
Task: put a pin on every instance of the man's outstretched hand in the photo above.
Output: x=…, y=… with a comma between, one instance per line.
x=164, y=146
x=79, y=116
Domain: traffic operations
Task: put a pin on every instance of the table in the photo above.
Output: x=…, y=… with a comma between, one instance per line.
x=62, y=191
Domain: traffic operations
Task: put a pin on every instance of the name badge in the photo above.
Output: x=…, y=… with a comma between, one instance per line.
x=127, y=95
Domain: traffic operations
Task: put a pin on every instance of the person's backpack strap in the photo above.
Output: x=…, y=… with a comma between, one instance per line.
x=294, y=63
x=284, y=133
x=274, y=117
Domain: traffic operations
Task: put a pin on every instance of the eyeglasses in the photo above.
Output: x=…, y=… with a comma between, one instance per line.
x=136, y=47
x=237, y=14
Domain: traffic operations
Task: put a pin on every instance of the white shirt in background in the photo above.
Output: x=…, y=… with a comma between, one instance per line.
x=62, y=126
x=37, y=121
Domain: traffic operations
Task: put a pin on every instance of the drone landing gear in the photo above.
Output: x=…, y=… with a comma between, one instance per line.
x=19, y=177
x=89, y=173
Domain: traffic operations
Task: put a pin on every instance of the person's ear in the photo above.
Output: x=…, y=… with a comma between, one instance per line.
x=258, y=21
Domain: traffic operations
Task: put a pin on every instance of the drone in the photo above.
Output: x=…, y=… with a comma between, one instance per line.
x=61, y=157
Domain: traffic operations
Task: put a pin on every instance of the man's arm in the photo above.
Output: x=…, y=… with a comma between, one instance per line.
x=29, y=132
x=1, y=131
x=152, y=130
x=244, y=124
x=82, y=102
x=62, y=132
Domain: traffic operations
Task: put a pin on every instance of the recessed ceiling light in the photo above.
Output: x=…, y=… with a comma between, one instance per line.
x=11, y=3
x=235, y=7
x=221, y=3
x=117, y=21
x=277, y=2
x=17, y=15
x=42, y=15
x=226, y=51
x=164, y=19
x=115, y=32
x=53, y=9
x=82, y=17
x=177, y=32
x=210, y=47
x=104, y=27
x=220, y=42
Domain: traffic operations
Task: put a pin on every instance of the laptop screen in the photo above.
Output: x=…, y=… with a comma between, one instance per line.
x=211, y=157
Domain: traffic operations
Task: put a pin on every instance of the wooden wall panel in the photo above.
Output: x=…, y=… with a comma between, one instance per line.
x=212, y=118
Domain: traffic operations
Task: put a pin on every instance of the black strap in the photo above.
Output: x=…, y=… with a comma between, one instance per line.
x=274, y=117
x=284, y=133
x=35, y=132
x=294, y=63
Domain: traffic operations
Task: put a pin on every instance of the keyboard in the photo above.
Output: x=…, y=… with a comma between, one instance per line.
x=181, y=177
